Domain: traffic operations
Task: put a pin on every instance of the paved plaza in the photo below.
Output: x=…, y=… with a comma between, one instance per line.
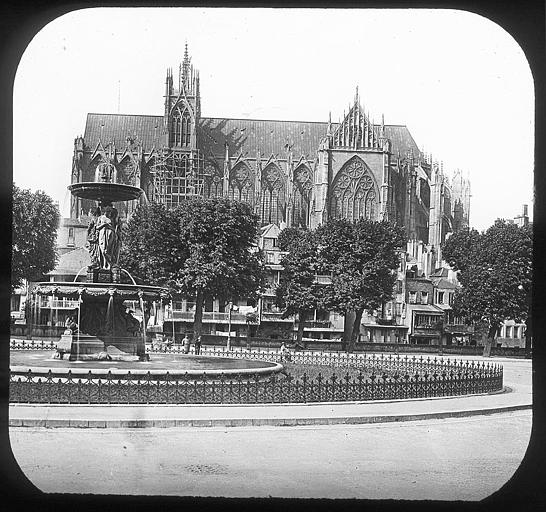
x=463, y=448
x=453, y=459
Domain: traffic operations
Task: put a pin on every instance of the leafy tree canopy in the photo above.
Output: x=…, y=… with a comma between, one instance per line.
x=298, y=289
x=495, y=272
x=204, y=248
x=221, y=236
x=151, y=249
x=359, y=256
x=298, y=292
x=362, y=257
x=35, y=222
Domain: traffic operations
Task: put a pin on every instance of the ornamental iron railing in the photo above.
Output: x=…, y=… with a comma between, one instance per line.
x=357, y=377
x=176, y=389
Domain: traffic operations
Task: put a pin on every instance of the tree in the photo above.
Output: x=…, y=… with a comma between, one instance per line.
x=362, y=257
x=151, y=249
x=298, y=292
x=223, y=260
x=495, y=271
x=204, y=248
x=35, y=222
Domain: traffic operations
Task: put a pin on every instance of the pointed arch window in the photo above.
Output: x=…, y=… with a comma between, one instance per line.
x=240, y=183
x=354, y=192
x=181, y=127
x=214, y=182
x=273, y=195
x=302, y=196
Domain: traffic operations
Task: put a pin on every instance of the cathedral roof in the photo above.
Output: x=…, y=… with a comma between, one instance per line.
x=117, y=128
x=246, y=135
x=268, y=137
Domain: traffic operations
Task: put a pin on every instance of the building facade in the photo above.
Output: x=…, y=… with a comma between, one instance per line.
x=292, y=173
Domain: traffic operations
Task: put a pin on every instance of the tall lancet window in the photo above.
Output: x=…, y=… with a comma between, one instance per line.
x=213, y=182
x=302, y=196
x=273, y=195
x=354, y=193
x=181, y=127
x=186, y=128
x=240, y=183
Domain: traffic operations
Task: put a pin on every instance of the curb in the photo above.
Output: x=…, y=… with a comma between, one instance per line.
x=255, y=422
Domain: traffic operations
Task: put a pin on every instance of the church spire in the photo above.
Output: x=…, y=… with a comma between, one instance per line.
x=186, y=69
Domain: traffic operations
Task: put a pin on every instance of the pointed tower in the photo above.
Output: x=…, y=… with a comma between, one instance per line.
x=182, y=106
x=178, y=170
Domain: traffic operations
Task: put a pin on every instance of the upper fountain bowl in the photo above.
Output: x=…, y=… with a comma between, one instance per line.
x=105, y=192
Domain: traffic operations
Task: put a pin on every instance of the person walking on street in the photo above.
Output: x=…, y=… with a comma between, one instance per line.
x=186, y=344
x=285, y=353
x=198, y=345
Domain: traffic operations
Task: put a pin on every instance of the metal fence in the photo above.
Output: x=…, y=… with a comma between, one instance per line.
x=373, y=363
x=377, y=378
x=167, y=389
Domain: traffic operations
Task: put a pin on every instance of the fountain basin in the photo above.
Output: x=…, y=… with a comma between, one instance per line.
x=105, y=192
x=41, y=362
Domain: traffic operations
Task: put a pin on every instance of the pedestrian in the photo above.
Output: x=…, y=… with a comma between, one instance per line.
x=186, y=344
x=285, y=353
x=198, y=345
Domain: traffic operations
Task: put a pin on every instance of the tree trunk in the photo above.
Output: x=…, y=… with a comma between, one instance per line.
x=491, y=335
x=356, y=329
x=198, y=319
x=302, y=315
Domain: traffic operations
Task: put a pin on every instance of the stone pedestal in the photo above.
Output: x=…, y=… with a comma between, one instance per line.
x=85, y=347
x=103, y=276
x=64, y=345
x=116, y=274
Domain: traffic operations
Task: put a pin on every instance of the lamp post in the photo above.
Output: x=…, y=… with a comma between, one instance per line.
x=230, y=307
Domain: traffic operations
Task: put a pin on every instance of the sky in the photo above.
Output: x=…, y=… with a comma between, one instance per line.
x=458, y=81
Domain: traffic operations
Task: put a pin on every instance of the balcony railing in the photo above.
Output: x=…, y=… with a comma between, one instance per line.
x=460, y=328
x=316, y=324
x=428, y=327
x=208, y=316
x=49, y=302
x=275, y=316
x=385, y=321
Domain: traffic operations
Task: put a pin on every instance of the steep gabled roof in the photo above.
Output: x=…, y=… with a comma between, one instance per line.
x=401, y=140
x=246, y=135
x=268, y=137
x=270, y=231
x=444, y=284
x=117, y=128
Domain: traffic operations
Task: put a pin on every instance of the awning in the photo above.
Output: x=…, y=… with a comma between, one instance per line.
x=374, y=326
x=425, y=308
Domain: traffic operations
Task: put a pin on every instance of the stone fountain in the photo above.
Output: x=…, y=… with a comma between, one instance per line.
x=103, y=327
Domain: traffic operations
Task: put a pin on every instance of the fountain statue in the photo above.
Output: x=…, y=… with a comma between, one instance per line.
x=104, y=325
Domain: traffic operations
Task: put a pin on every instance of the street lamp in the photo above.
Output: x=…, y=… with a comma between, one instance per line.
x=230, y=306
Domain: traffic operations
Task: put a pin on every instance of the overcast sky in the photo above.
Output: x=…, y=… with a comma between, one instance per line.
x=459, y=82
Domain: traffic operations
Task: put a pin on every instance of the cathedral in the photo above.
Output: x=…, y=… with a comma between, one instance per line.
x=292, y=173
